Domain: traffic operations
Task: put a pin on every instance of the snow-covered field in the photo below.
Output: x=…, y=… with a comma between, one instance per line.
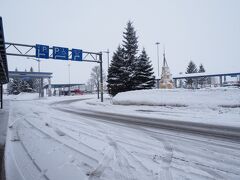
x=45, y=142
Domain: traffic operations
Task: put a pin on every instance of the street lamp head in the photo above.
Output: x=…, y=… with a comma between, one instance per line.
x=106, y=51
x=33, y=58
x=157, y=43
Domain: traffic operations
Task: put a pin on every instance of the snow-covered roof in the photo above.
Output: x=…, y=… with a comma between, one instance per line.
x=23, y=74
x=205, y=74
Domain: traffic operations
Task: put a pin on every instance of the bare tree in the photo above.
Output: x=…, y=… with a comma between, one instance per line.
x=95, y=78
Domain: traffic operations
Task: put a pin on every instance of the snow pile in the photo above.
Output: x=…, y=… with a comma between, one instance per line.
x=224, y=97
x=24, y=96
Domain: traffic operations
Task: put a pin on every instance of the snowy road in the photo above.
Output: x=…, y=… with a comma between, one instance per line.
x=46, y=141
x=223, y=131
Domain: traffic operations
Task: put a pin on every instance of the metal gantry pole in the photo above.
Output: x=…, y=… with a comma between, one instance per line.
x=101, y=76
x=69, y=78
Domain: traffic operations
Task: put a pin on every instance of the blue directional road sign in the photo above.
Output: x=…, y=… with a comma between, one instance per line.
x=42, y=51
x=60, y=53
x=76, y=54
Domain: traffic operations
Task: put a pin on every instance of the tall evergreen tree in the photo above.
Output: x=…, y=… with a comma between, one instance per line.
x=192, y=68
x=24, y=86
x=201, y=69
x=117, y=75
x=144, y=77
x=14, y=86
x=34, y=84
x=201, y=80
x=127, y=71
x=31, y=81
x=130, y=45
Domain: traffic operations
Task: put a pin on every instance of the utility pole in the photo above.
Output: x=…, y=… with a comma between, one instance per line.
x=101, y=76
x=158, y=77
x=38, y=60
x=107, y=55
x=157, y=43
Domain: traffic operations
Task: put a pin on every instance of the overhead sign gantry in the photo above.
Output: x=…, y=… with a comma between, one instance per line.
x=56, y=53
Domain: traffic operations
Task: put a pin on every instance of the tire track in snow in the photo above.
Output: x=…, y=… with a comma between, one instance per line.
x=211, y=168
x=59, y=141
x=120, y=164
x=41, y=171
x=102, y=125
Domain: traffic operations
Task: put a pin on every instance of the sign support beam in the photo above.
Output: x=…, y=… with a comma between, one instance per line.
x=24, y=50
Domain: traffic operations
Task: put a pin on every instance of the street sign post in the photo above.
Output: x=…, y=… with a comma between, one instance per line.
x=76, y=55
x=42, y=51
x=60, y=53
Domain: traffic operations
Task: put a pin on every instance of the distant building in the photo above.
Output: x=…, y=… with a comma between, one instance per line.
x=166, y=81
x=67, y=89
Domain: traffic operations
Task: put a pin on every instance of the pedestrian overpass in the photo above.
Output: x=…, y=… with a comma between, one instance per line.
x=34, y=75
x=222, y=77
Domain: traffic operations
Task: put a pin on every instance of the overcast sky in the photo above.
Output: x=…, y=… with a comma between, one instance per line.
x=205, y=31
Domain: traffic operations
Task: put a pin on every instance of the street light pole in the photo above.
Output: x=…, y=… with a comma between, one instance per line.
x=107, y=55
x=38, y=60
x=101, y=76
x=69, y=78
x=40, y=80
x=157, y=43
x=38, y=64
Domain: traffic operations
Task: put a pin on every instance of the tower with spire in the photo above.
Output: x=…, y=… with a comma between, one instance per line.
x=166, y=81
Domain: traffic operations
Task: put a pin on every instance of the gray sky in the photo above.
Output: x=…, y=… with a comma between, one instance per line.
x=206, y=31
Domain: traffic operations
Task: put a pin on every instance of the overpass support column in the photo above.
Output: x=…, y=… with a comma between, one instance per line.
x=175, y=83
x=49, y=87
x=41, y=88
x=220, y=80
x=158, y=83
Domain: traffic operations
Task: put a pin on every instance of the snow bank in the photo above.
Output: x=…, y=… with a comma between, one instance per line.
x=52, y=99
x=23, y=96
x=224, y=97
